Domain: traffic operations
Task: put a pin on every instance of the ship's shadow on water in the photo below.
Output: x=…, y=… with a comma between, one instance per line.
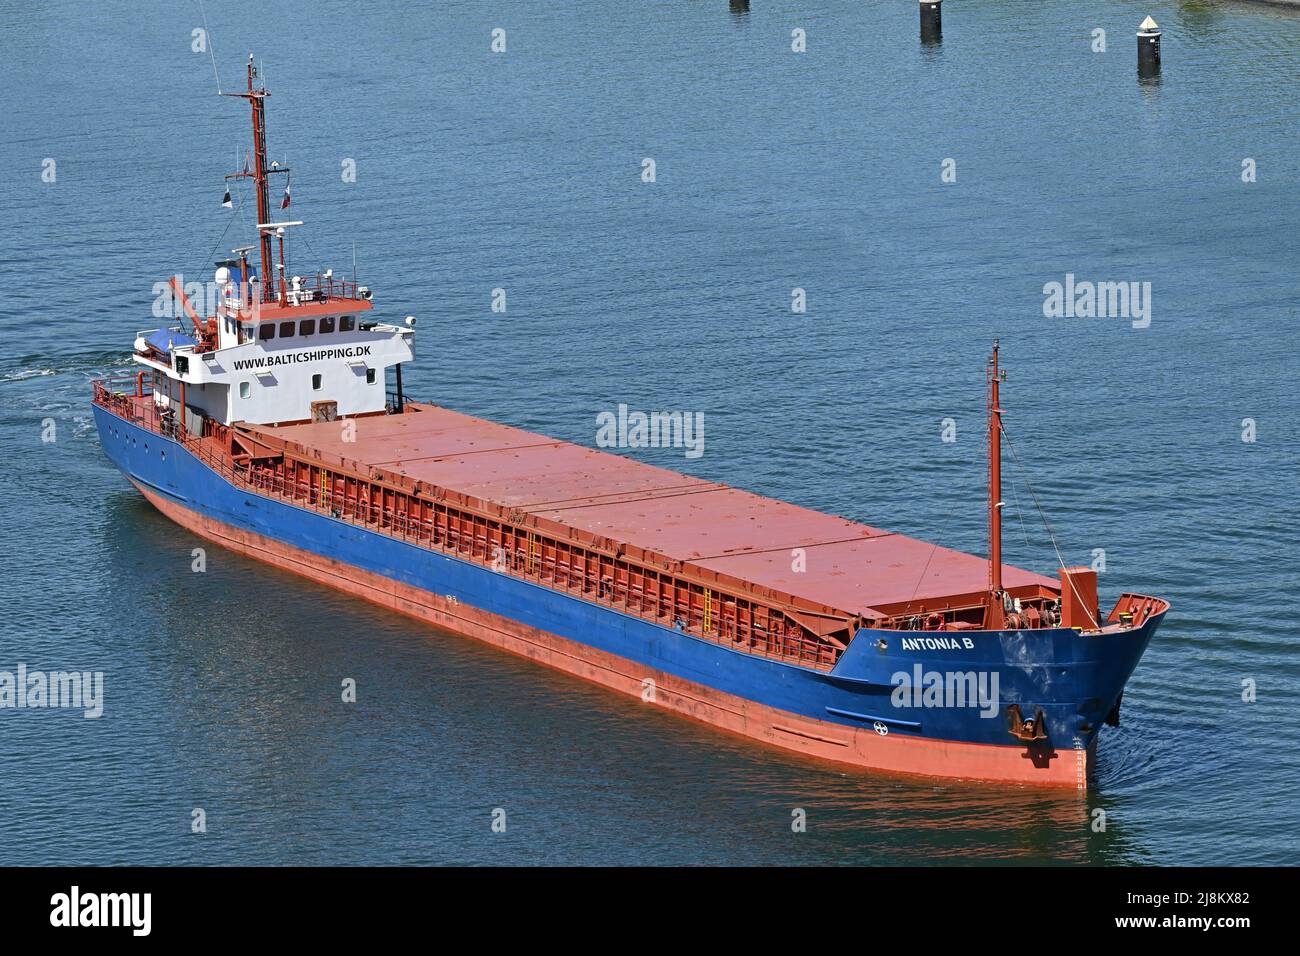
x=867, y=817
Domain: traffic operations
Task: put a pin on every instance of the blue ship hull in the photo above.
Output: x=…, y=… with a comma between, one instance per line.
x=1075, y=679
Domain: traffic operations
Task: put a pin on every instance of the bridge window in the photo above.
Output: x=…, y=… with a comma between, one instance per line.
x=286, y=330
x=267, y=331
x=315, y=382
x=307, y=327
x=346, y=323
x=326, y=324
x=370, y=376
x=245, y=389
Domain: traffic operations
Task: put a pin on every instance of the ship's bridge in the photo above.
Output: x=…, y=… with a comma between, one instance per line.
x=312, y=353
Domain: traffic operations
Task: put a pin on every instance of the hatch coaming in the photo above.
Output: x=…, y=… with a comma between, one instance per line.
x=715, y=533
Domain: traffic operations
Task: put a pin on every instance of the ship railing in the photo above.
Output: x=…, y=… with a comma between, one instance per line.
x=124, y=397
x=780, y=642
x=322, y=288
x=121, y=387
x=112, y=393
x=1133, y=610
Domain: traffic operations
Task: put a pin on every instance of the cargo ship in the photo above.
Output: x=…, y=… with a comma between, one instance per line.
x=275, y=423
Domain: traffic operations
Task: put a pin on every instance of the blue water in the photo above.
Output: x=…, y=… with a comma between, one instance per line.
x=775, y=170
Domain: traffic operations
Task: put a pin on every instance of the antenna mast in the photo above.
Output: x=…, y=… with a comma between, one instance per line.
x=996, y=609
x=257, y=101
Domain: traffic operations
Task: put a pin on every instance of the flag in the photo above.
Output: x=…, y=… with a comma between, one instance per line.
x=225, y=200
x=284, y=203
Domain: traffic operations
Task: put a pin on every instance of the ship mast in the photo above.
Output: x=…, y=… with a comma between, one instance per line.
x=996, y=616
x=259, y=173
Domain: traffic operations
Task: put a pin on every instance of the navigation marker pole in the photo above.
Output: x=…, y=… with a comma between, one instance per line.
x=1148, y=37
x=931, y=21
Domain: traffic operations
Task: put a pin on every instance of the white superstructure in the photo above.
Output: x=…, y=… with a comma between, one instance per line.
x=315, y=354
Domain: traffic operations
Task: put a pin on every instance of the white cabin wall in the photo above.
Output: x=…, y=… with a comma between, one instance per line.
x=209, y=398
x=285, y=394
x=277, y=375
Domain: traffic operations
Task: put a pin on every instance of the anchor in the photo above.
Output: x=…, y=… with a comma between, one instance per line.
x=1028, y=729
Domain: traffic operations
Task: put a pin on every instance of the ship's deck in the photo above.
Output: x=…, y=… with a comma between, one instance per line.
x=849, y=566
